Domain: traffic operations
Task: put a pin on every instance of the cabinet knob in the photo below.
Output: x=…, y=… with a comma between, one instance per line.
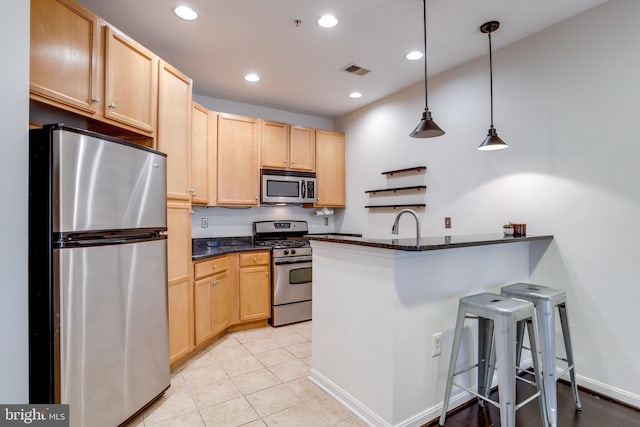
x=112, y=105
x=256, y=197
x=192, y=191
x=292, y=162
x=95, y=99
x=255, y=258
x=285, y=162
x=215, y=282
x=214, y=266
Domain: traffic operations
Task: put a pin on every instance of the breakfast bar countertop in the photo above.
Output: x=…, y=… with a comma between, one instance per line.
x=428, y=243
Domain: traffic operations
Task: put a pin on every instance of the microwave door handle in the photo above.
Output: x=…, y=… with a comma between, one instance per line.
x=303, y=189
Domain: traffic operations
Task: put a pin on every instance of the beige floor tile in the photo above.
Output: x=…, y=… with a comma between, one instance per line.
x=168, y=407
x=273, y=400
x=255, y=423
x=299, y=415
x=230, y=352
x=231, y=413
x=275, y=357
x=261, y=345
x=305, y=389
x=307, y=360
x=241, y=366
x=192, y=419
x=214, y=393
x=249, y=335
x=202, y=360
x=352, y=421
x=290, y=370
x=256, y=381
x=196, y=377
x=300, y=350
x=177, y=384
x=286, y=337
x=329, y=409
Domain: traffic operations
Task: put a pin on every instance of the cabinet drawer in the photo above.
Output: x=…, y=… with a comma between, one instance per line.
x=212, y=266
x=254, y=258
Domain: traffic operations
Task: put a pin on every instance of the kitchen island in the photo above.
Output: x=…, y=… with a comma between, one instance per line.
x=379, y=305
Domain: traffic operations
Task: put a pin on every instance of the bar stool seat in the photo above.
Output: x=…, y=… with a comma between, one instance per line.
x=545, y=299
x=501, y=315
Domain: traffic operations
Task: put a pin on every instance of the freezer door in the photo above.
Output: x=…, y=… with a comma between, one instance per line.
x=104, y=185
x=113, y=330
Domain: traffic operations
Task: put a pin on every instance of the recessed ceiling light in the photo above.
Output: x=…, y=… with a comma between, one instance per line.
x=414, y=55
x=355, y=95
x=185, y=12
x=252, y=77
x=328, y=21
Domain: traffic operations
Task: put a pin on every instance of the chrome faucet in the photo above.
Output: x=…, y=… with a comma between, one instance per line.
x=396, y=224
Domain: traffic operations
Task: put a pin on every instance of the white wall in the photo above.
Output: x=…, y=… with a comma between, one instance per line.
x=227, y=222
x=566, y=100
x=14, y=120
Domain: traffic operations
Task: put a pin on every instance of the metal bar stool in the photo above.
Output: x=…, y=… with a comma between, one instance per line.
x=545, y=299
x=502, y=315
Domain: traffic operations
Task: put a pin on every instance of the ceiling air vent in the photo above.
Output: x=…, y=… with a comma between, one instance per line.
x=355, y=69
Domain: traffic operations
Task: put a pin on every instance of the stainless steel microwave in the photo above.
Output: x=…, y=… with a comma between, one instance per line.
x=282, y=186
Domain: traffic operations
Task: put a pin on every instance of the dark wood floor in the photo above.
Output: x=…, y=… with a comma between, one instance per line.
x=596, y=412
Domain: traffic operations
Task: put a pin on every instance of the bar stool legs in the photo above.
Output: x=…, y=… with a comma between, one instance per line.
x=499, y=317
x=546, y=300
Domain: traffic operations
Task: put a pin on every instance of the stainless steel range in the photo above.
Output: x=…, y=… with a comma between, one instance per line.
x=290, y=269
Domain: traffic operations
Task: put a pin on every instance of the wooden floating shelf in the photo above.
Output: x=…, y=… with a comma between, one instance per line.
x=415, y=169
x=410, y=205
x=417, y=188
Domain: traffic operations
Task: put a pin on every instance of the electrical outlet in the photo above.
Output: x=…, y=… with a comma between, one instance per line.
x=326, y=221
x=204, y=222
x=436, y=344
x=447, y=222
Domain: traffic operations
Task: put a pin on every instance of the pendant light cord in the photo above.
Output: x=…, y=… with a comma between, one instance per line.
x=426, y=103
x=491, y=77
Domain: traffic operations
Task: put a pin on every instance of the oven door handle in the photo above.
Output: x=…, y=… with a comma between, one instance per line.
x=292, y=260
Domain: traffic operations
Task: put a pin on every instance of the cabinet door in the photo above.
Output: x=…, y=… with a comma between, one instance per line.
x=302, y=149
x=200, y=136
x=221, y=302
x=238, y=166
x=64, y=55
x=274, y=145
x=203, y=290
x=330, y=168
x=131, y=82
x=255, y=293
x=174, y=129
x=179, y=268
x=180, y=320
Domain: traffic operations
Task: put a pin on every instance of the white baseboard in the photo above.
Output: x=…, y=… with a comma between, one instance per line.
x=370, y=417
x=607, y=390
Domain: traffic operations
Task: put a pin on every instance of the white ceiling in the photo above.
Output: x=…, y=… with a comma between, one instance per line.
x=301, y=67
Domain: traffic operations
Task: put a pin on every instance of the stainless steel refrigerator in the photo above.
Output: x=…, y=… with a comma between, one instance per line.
x=97, y=275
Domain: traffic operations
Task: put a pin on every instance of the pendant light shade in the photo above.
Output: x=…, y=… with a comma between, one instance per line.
x=492, y=141
x=427, y=128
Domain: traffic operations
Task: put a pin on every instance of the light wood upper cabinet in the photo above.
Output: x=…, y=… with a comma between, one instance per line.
x=237, y=163
x=330, y=169
x=131, y=73
x=203, y=155
x=274, y=145
x=302, y=148
x=174, y=129
x=286, y=146
x=65, y=54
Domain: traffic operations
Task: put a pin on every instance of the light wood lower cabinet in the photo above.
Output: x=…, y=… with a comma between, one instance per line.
x=212, y=298
x=180, y=320
x=254, y=286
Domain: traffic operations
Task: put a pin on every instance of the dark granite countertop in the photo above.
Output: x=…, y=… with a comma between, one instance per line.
x=202, y=249
x=428, y=243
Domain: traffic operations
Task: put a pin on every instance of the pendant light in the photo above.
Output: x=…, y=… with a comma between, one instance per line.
x=492, y=141
x=427, y=128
